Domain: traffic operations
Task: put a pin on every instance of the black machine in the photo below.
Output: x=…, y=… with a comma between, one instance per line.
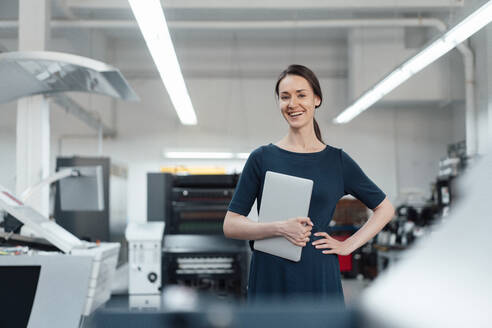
x=87, y=225
x=105, y=224
x=190, y=204
x=196, y=253
x=209, y=263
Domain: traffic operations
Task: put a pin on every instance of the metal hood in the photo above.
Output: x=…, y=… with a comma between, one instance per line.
x=40, y=72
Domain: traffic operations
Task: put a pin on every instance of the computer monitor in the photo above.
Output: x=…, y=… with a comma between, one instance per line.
x=43, y=290
x=84, y=192
x=17, y=306
x=82, y=202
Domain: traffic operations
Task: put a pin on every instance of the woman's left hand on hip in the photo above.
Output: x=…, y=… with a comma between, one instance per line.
x=330, y=244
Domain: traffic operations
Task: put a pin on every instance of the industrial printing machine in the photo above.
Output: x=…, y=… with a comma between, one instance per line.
x=195, y=252
x=61, y=268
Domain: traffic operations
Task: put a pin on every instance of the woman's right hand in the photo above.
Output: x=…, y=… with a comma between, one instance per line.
x=297, y=230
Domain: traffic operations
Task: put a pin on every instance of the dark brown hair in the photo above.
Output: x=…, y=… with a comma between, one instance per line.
x=313, y=81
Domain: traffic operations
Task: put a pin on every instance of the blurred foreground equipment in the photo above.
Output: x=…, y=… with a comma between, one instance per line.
x=437, y=283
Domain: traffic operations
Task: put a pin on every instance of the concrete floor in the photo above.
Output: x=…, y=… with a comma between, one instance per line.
x=353, y=288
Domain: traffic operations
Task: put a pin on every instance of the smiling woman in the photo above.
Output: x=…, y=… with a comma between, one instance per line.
x=299, y=92
x=303, y=153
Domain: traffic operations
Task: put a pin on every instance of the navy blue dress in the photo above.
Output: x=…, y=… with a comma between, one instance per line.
x=335, y=174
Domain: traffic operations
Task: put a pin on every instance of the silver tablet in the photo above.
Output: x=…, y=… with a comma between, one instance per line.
x=284, y=197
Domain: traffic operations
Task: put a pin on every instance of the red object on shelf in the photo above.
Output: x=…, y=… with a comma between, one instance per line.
x=344, y=260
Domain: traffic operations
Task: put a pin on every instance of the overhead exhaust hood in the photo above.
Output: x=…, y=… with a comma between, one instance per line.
x=40, y=72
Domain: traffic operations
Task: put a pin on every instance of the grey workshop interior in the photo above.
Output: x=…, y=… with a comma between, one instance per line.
x=260, y=163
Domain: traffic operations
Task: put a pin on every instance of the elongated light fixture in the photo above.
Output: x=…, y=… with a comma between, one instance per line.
x=152, y=22
x=242, y=155
x=462, y=31
x=198, y=155
x=205, y=155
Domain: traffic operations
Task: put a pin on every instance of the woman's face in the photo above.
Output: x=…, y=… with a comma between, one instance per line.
x=297, y=101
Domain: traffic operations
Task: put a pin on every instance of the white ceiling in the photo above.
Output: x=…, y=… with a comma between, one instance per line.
x=228, y=52
x=196, y=24
x=242, y=10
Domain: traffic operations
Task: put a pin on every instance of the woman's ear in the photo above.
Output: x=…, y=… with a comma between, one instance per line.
x=317, y=101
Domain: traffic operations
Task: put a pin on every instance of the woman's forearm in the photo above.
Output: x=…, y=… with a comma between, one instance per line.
x=382, y=215
x=240, y=227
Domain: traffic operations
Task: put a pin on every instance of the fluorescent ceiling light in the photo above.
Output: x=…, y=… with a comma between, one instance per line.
x=397, y=77
x=427, y=56
x=471, y=24
x=242, y=155
x=205, y=155
x=462, y=31
x=198, y=155
x=152, y=23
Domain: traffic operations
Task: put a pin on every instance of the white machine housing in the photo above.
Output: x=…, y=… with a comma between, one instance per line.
x=104, y=255
x=105, y=258
x=144, y=257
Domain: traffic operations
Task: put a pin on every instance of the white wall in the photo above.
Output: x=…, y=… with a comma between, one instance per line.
x=482, y=43
x=8, y=116
x=397, y=147
x=375, y=52
x=7, y=159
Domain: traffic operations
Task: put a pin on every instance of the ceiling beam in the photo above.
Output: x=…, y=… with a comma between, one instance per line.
x=216, y=73
x=284, y=4
x=246, y=25
x=73, y=108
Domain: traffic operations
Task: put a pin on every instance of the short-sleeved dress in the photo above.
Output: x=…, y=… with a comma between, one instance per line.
x=335, y=174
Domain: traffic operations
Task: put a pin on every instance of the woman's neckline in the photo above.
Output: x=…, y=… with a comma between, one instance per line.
x=297, y=153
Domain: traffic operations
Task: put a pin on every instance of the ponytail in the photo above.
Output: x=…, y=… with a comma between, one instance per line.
x=317, y=131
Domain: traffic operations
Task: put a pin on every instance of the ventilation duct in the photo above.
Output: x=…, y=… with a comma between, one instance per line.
x=29, y=73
